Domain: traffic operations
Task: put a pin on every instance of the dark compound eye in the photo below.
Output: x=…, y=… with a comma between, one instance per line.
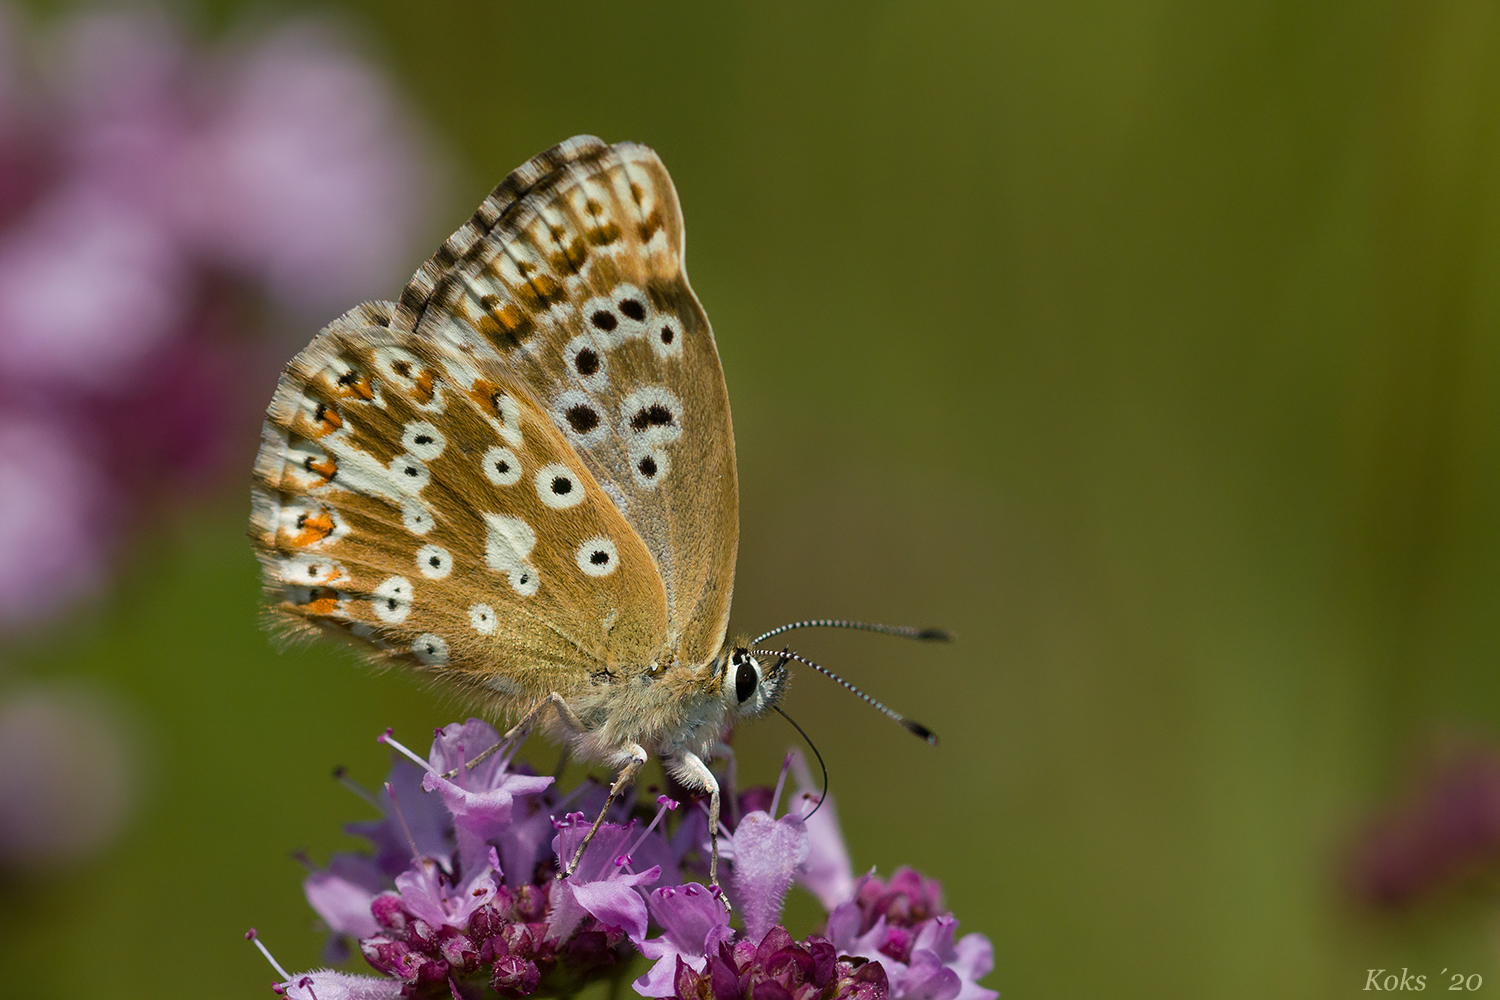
x=745, y=680
x=633, y=309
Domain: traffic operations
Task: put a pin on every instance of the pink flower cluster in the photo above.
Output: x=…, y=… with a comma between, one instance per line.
x=460, y=898
x=159, y=202
x=1446, y=830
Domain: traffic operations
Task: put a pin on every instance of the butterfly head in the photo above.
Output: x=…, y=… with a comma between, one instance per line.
x=752, y=685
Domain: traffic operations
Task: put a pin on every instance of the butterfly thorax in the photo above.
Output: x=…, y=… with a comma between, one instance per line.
x=668, y=709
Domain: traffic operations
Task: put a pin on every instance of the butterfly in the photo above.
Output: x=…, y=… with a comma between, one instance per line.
x=520, y=478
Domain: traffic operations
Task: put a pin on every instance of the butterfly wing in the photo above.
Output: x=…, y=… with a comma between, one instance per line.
x=411, y=496
x=572, y=273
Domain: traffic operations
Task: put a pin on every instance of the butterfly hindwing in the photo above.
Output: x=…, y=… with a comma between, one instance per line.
x=412, y=496
x=572, y=274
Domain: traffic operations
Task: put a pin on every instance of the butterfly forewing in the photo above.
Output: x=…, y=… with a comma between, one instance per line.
x=412, y=496
x=572, y=274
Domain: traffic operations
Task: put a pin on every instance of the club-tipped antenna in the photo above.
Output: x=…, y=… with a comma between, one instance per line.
x=814, y=748
x=911, y=726
x=906, y=631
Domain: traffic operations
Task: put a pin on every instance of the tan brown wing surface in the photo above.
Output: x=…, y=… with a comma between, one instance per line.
x=572, y=273
x=368, y=518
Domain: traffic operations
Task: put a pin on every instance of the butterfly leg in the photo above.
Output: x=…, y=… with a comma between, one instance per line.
x=622, y=781
x=723, y=751
x=689, y=769
x=566, y=715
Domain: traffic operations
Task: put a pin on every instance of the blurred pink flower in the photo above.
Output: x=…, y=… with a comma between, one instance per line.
x=121, y=82
x=155, y=199
x=308, y=177
x=89, y=286
x=67, y=775
x=52, y=521
x=1445, y=828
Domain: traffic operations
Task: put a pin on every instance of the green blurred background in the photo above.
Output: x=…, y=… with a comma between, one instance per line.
x=1152, y=348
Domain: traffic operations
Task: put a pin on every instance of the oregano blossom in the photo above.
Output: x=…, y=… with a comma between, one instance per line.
x=459, y=896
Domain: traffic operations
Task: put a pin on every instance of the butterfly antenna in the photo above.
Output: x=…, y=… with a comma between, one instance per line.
x=907, y=631
x=814, y=748
x=913, y=727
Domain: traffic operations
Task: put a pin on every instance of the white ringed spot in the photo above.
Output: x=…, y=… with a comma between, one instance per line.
x=310, y=571
x=416, y=517
x=482, y=617
x=434, y=561
x=392, y=600
x=524, y=581
x=409, y=474
x=650, y=468
x=430, y=649
x=665, y=336
x=586, y=360
x=502, y=467
x=423, y=440
x=577, y=416
x=650, y=417
x=410, y=374
x=597, y=556
x=558, y=486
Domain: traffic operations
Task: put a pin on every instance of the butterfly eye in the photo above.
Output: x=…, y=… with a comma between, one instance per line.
x=745, y=680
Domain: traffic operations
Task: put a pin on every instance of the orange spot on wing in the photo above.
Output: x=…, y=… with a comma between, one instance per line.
x=506, y=326
x=323, y=602
x=355, y=388
x=327, y=468
x=541, y=291
x=424, y=382
x=486, y=395
x=313, y=528
x=326, y=419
